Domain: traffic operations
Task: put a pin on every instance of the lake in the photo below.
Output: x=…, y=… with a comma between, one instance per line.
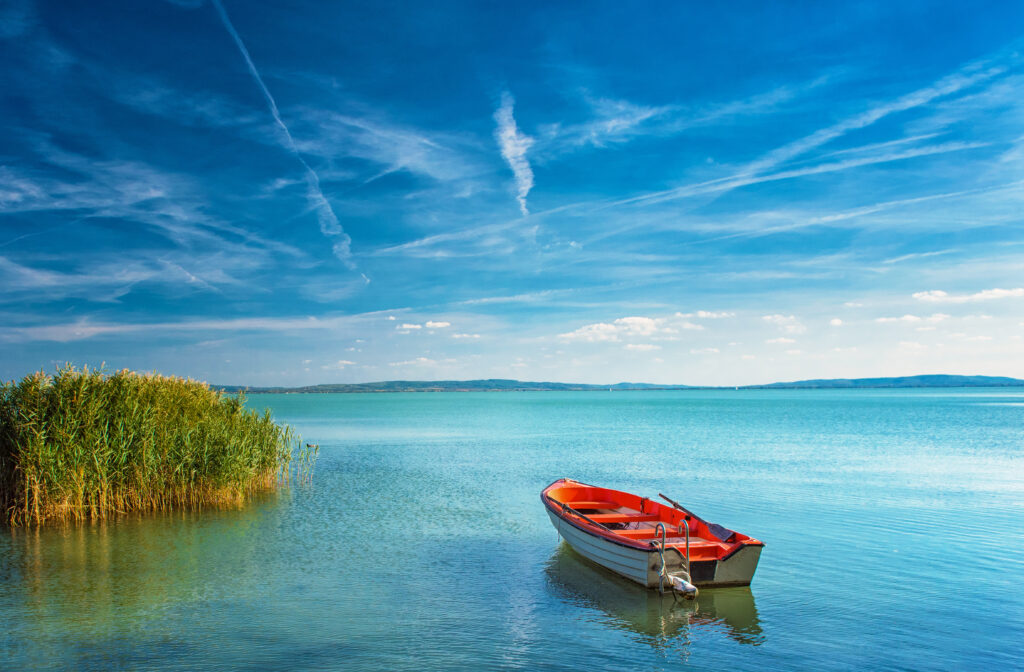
x=893, y=523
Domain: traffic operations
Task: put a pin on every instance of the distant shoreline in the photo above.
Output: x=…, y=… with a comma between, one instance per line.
x=504, y=385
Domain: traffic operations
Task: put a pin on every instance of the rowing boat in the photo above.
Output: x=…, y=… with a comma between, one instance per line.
x=654, y=544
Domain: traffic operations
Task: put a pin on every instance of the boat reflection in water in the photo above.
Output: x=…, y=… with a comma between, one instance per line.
x=658, y=618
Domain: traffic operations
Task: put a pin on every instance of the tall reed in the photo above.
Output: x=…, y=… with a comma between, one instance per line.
x=82, y=445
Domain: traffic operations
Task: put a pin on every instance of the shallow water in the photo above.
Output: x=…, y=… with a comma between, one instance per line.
x=893, y=523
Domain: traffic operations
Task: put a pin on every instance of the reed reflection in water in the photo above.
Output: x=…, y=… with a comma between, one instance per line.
x=79, y=588
x=660, y=620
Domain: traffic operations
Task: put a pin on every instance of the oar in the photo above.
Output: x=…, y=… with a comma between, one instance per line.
x=679, y=506
x=566, y=507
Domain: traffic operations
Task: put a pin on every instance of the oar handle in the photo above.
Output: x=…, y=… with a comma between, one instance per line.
x=677, y=505
x=566, y=507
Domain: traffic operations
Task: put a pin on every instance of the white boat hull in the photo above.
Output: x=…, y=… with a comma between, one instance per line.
x=643, y=566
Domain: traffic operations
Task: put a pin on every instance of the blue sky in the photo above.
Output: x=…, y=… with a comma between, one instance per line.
x=302, y=192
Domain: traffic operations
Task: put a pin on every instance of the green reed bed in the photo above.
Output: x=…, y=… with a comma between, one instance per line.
x=82, y=445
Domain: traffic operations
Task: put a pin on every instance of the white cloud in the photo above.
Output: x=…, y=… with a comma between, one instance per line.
x=391, y=318
x=591, y=333
x=911, y=319
x=704, y=351
x=642, y=347
x=409, y=326
x=965, y=337
x=913, y=346
x=514, y=146
x=905, y=318
x=438, y=325
x=853, y=304
x=690, y=326
x=747, y=357
x=794, y=352
x=707, y=315
x=644, y=326
x=338, y=365
x=624, y=327
x=939, y=296
x=418, y=361
x=835, y=322
x=781, y=339
x=465, y=335
x=788, y=323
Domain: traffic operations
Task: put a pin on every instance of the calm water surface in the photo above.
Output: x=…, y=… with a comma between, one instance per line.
x=893, y=523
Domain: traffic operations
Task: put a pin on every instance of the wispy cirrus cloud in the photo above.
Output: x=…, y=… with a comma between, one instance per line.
x=613, y=121
x=755, y=171
x=916, y=255
x=528, y=297
x=939, y=296
x=86, y=328
x=329, y=224
x=476, y=240
x=101, y=283
x=514, y=145
x=171, y=203
x=390, y=146
x=747, y=178
x=965, y=77
x=876, y=146
x=16, y=18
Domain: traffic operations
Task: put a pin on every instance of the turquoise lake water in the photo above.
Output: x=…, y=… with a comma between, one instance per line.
x=893, y=522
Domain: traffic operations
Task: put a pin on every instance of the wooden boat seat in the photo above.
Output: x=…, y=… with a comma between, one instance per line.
x=622, y=518
x=593, y=505
x=653, y=533
x=694, y=542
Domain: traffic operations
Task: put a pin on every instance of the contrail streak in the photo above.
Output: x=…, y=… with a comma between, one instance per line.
x=329, y=225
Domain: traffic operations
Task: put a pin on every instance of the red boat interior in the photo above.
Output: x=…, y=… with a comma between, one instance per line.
x=633, y=520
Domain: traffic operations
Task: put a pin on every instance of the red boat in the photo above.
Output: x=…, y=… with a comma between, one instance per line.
x=654, y=544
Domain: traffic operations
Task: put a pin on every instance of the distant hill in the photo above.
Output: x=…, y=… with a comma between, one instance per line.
x=490, y=385
x=904, y=381
x=505, y=385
